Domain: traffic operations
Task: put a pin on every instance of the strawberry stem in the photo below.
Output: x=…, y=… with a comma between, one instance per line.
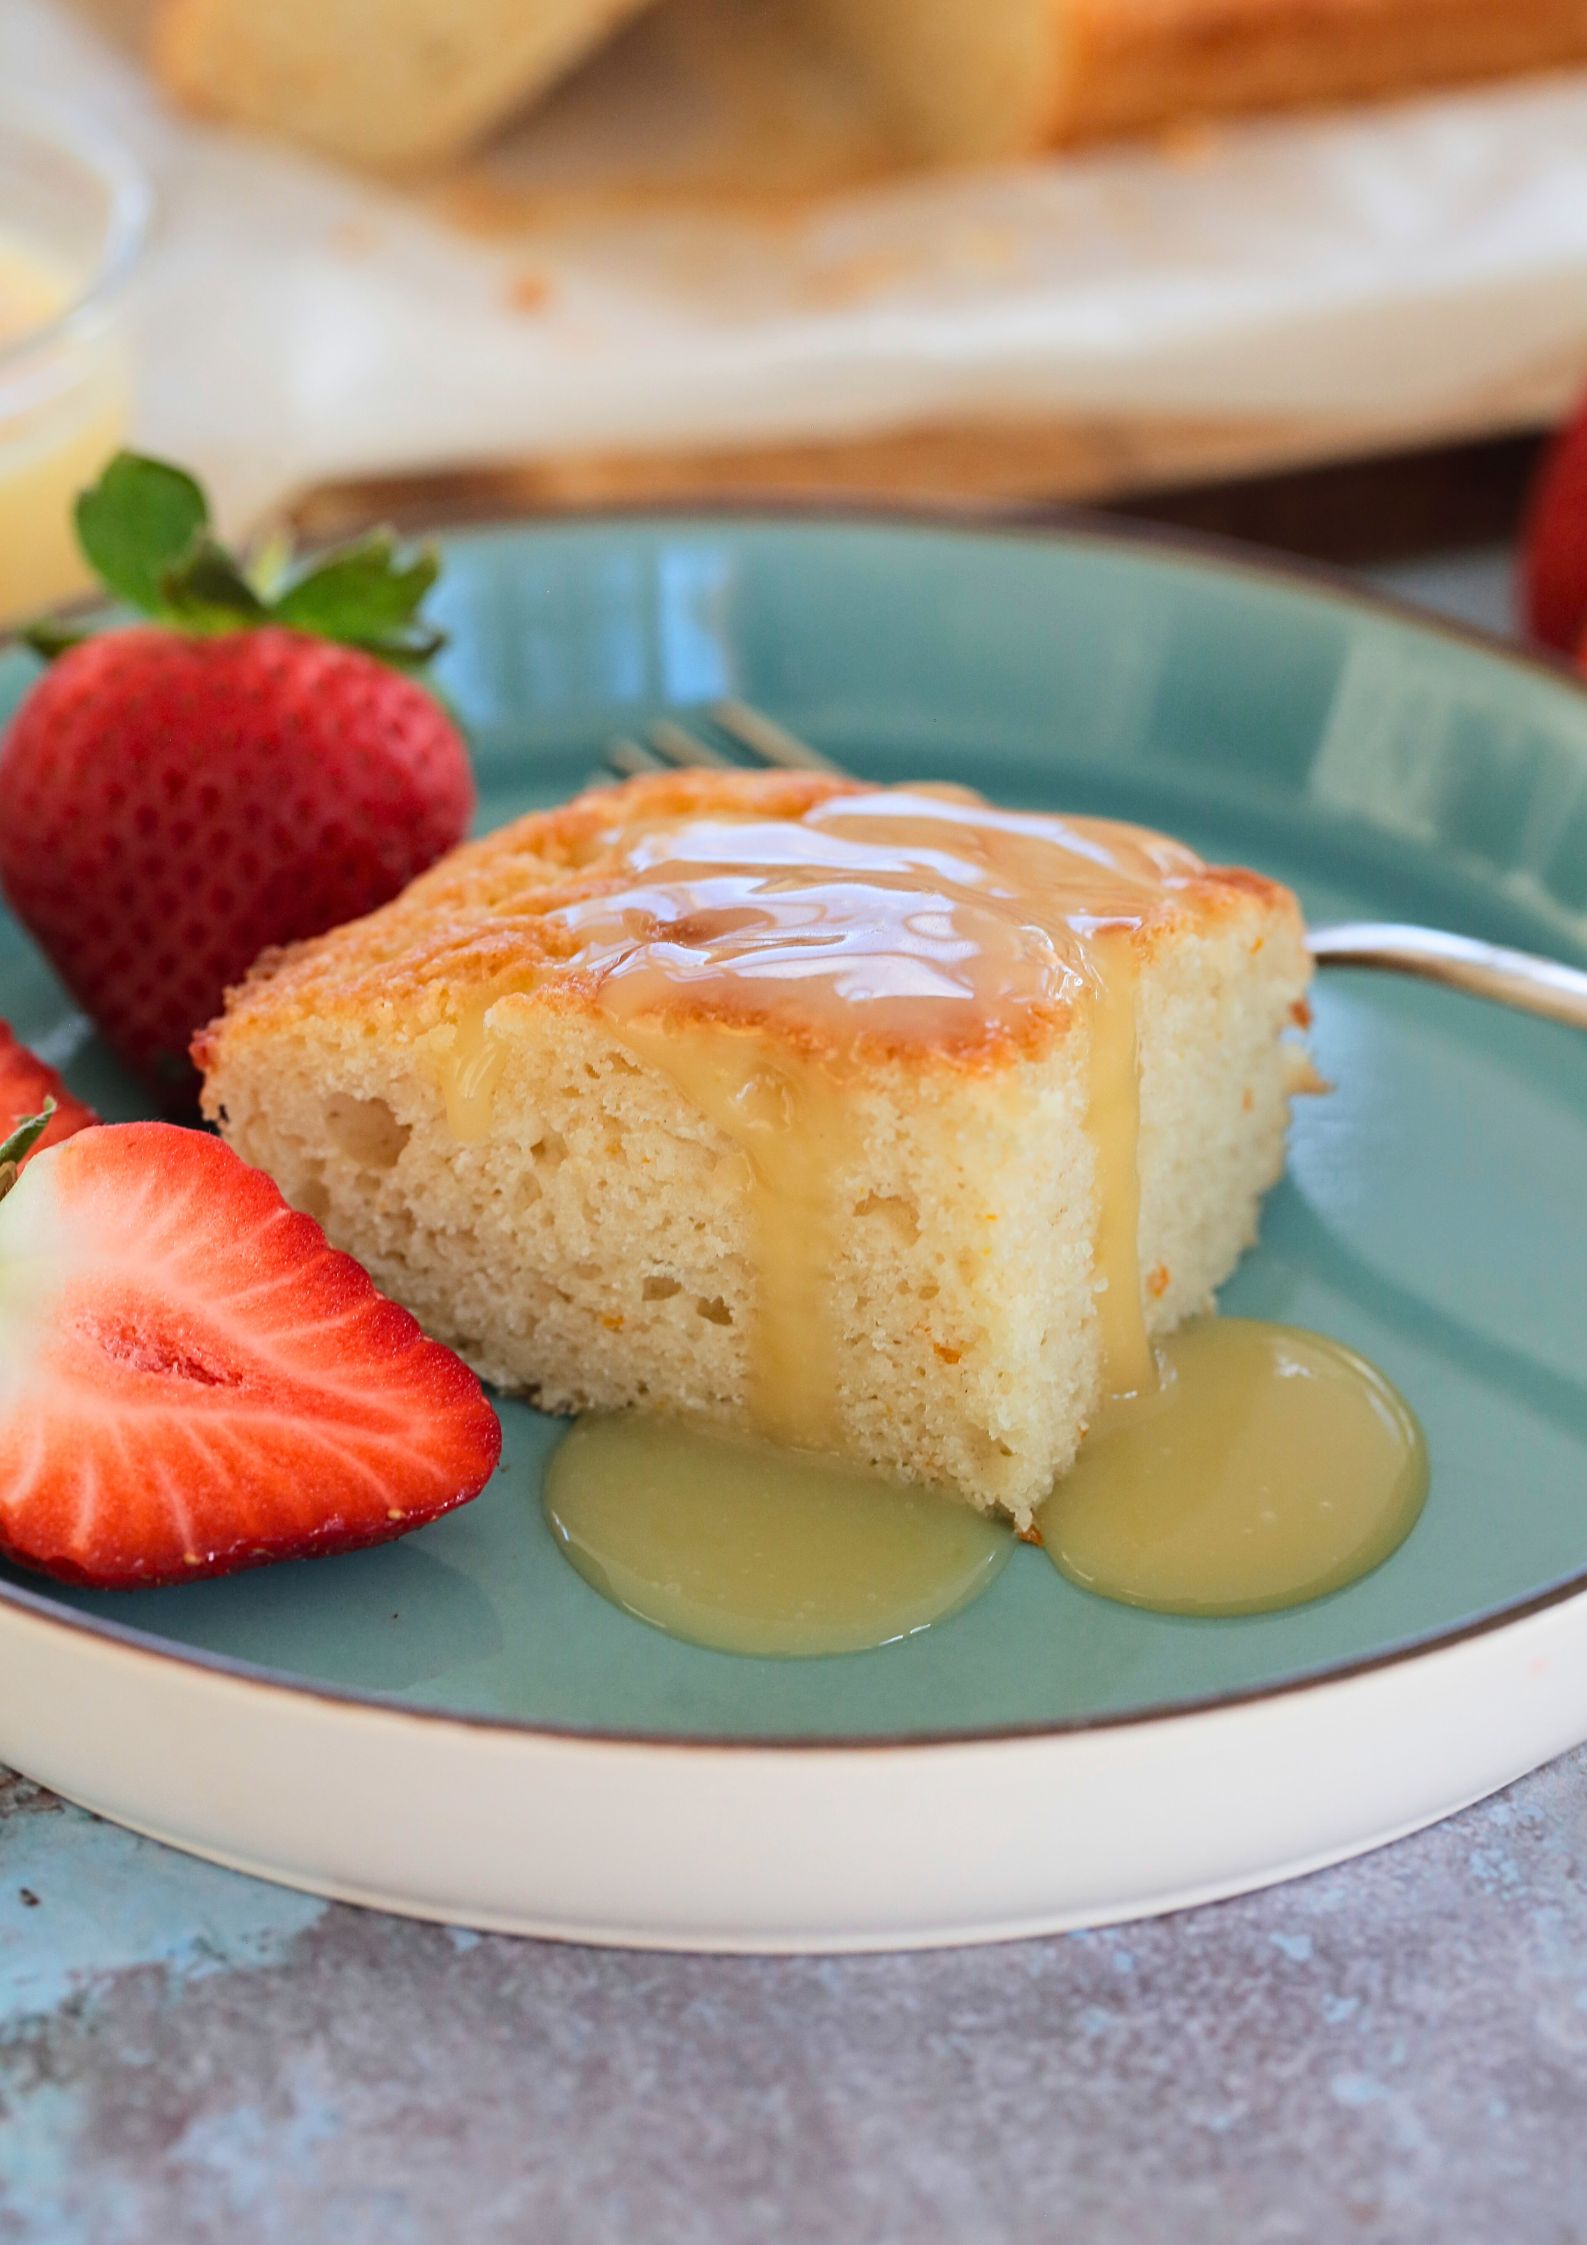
x=145, y=528
x=15, y=1150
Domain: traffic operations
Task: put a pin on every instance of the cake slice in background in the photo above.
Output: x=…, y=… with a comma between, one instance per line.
x=378, y=82
x=395, y=82
x=991, y=79
x=792, y=1106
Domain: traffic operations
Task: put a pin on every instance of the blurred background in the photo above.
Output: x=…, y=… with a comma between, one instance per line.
x=1314, y=271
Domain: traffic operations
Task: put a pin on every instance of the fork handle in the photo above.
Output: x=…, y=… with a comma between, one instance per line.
x=1484, y=970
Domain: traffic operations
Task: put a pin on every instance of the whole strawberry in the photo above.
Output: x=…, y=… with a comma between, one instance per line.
x=1554, y=547
x=256, y=764
x=27, y=1086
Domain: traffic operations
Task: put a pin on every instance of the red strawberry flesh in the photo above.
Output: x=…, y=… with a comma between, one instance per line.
x=26, y=1082
x=193, y=1381
x=1554, y=567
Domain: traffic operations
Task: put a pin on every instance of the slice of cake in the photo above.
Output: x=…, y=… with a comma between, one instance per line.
x=881, y=1121
x=978, y=79
x=383, y=82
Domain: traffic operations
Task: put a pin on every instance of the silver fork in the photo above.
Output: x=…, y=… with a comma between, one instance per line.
x=1522, y=980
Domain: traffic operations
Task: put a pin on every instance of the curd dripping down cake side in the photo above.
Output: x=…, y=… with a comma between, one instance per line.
x=881, y=1121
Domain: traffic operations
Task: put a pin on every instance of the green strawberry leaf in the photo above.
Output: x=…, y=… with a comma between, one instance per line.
x=15, y=1149
x=368, y=595
x=145, y=528
x=206, y=592
x=410, y=651
x=50, y=637
x=137, y=522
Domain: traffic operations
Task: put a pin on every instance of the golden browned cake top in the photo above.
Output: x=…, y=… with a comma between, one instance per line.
x=839, y=916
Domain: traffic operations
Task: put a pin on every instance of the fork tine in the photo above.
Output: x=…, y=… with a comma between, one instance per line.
x=675, y=744
x=628, y=760
x=670, y=746
x=770, y=742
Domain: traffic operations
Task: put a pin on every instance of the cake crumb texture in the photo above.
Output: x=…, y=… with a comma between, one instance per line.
x=439, y=1085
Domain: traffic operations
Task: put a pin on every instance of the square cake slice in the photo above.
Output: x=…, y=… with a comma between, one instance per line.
x=880, y=1121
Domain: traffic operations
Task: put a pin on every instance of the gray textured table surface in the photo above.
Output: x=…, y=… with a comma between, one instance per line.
x=1396, y=2050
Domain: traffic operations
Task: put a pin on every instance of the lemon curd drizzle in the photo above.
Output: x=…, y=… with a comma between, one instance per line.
x=750, y=961
x=875, y=921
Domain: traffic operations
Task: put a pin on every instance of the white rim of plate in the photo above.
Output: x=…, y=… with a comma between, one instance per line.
x=1192, y=550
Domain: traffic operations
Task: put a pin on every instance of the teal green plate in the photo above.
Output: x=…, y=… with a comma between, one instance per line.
x=1435, y=1211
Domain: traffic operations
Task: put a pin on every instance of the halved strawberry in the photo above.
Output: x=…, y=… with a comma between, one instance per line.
x=25, y=1084
x=192, y=1380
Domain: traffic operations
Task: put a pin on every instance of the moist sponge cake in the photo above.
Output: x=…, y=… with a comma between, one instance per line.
x=879, y=1120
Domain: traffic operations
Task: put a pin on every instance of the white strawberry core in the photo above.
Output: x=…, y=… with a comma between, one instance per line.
x=34, y=1255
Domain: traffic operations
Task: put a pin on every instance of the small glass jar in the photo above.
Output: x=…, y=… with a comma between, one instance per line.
x=74, y=212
